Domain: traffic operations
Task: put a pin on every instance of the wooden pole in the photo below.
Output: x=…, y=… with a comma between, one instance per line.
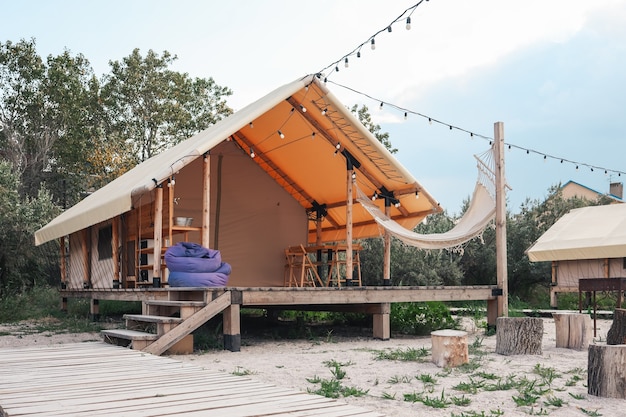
x=86, y=247
x=115, y=246
x=206, y=201
x=349, y=266
x=387, y=251
x=63, y=263
x=158, y=233
x=501, y=261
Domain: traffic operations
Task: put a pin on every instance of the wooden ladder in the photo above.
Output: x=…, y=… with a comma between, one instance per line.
x=157, y=331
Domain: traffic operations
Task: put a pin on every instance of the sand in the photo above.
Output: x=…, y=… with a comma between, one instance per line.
x=390, y=386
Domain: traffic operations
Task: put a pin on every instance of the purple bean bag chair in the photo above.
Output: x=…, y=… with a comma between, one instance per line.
x=218, y=278
x=192, y=257
x=192, y=265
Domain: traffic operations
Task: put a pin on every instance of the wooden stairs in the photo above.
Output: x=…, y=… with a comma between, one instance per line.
x=166, y=325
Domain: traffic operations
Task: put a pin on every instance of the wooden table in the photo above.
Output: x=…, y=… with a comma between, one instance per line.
x=600, y=284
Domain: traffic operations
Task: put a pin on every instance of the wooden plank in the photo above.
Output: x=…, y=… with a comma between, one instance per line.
x=95, y=379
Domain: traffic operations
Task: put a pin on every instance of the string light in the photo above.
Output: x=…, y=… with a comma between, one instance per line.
x=406, y=115
x=346, y=63
x=302, y=108
x=406, y=14
x=545, y=156
x=251, y=125
x=252, y=154
x=281, y=134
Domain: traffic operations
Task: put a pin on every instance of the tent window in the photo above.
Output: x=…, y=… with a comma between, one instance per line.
x=105, y=235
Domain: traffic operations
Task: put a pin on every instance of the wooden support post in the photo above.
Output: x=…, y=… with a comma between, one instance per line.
x=232, y=328
x=63, y=263
x=387, y=251
x=86, y=250
x=349, y=201
x=519, y=335
x=158, y=235
x=115, y=250
x=492, y=313
x=606, y=373
x=206, y=201
x=617, y=332
x=381, y=322
x=501, y=260
x=94, y=310
x=573, y=330
x=449, y=348
x=553, y=299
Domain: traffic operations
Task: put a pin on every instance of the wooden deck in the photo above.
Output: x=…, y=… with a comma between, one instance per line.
x=96, y=379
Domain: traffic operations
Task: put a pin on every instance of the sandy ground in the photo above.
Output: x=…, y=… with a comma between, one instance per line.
x=389, y=385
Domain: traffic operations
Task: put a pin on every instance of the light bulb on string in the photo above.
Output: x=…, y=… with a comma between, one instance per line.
x=430, y=121
x=324, y=111
x=406, y=115
x=373, y=44
x=312, y=135
x=302, y=108
x=336, y=68
x=408, y=23
x=389, y=28
x=358, y=53
x=251, y=125
x=252, y=154
x=381, y=105
x=346, y=64
x=281, y=134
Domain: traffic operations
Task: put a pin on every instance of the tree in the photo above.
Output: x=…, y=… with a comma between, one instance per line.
x=22, y=265
x=47, y=113
x=151, y=108
x=366, y=118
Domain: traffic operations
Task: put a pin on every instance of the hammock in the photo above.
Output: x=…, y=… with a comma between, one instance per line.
x=480, y=213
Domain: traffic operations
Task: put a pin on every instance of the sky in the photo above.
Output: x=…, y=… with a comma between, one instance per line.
x=552, y=71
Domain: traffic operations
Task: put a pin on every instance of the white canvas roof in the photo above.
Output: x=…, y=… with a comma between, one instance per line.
x=304, y=162
x=595, y=232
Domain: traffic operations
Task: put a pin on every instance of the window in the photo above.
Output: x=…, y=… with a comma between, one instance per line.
x=105, y=249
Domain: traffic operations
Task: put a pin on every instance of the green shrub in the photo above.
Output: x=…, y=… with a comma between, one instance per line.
x=421, y=318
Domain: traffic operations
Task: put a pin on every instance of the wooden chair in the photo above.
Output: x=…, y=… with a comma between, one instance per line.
x=300, y=271
x=338, y=265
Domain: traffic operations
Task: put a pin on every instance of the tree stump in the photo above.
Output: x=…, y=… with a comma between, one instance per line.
x=617, y=332
x=449, y=348
x=519, y=335
x=606, y=373
x=573, y=330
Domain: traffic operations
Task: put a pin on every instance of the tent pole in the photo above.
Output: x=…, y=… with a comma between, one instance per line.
x=387, y=249
x=501, y=260
x=206, y=200
x=158, y=234
x=349, y=266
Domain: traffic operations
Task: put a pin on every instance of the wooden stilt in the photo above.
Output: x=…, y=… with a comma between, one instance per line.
x=206, y=201
x=381, y=322
x=349, y=255
x=232, y=328
x=387, y=252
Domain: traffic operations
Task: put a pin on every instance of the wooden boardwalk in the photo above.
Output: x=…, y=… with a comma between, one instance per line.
x=97, y=379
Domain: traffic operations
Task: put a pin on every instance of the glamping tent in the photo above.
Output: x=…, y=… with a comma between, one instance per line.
x=588, y=242
x=277, y=173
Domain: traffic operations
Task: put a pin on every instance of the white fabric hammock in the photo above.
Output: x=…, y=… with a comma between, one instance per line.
x=479, y=214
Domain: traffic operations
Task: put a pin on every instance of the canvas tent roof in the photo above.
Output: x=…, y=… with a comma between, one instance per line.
x=594, y=232
x=310, y=162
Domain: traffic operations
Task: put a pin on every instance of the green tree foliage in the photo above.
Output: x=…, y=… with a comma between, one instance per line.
x=366, y=118
x=22, y=266
x=150, y=107
x=64, y=130
x=411, y=265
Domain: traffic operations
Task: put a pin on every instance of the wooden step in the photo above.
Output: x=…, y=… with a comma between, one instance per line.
x=151, y=323
x=166, y=308
x=152, y=319
x=124, y=337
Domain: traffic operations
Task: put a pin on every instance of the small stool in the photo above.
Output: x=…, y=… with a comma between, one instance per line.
x=449, y=348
